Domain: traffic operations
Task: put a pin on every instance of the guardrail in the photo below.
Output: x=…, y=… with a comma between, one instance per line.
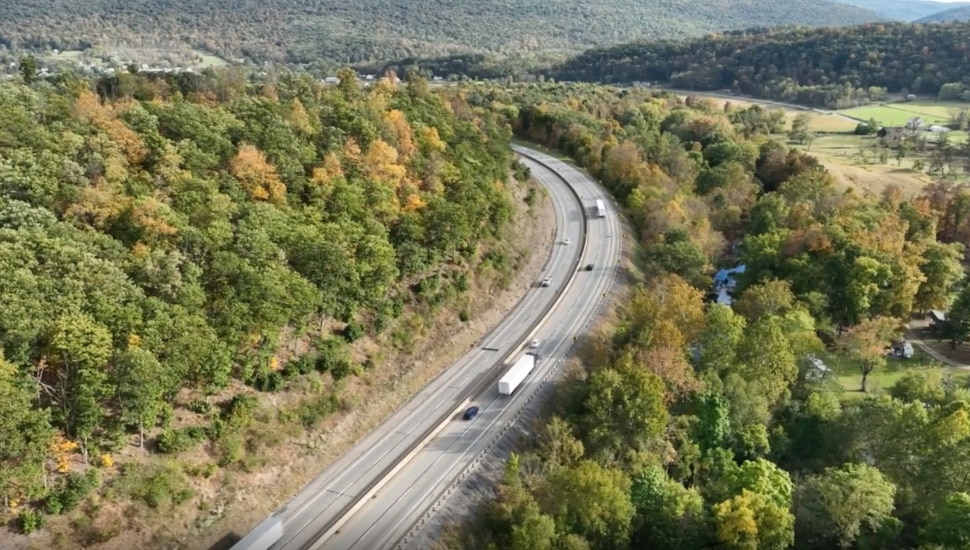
x=498, y=369
x=334, y=525
x=433, y=508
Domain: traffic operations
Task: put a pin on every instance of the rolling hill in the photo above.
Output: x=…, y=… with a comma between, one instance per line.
x=828, y=67
x=904, y=10
x=961, y=13
x=372, y=30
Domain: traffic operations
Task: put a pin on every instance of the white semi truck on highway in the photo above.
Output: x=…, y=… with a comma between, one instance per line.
x=600, y=208
x=513, y=378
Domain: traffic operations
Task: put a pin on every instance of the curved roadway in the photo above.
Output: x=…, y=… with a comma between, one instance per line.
x=342, y=508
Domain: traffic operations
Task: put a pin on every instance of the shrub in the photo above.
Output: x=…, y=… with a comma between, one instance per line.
x=334, y=357
x=352, y=332
x=30, y=520
x=157, y=485
x=181, y=439
x=71, y=491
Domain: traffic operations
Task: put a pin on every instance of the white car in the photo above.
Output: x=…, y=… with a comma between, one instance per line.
x=547, y=281
x=565, y=241
x=535, y=343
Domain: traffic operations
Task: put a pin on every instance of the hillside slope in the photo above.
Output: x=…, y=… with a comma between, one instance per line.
x=903, y=10
x=823, y=67
x=368, y=30
x=961, y=13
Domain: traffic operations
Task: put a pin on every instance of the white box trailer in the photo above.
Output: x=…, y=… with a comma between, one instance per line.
x=600, y=208
x=515, y=375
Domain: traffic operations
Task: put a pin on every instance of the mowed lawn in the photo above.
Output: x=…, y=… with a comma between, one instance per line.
x=849, y=376
x=898, y=114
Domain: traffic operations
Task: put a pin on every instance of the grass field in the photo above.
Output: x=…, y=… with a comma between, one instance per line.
x=849, y=376
x=855, y=160
x=898, y=114
x=209, y=61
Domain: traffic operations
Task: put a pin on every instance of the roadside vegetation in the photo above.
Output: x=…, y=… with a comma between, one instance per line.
x=691, y=424
x=197, y=274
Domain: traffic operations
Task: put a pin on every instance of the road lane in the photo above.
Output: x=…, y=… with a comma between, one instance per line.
x=389, y=515
x=314, y=509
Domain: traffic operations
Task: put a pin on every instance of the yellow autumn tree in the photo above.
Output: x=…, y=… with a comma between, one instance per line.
x=325, y=176
x=351, y=152
x=299, y=119
x=431, y=141
x=62, y=450
x=398, y=131
x=149, y=215
x=97, y=206
x=257, y=175
x=381, y=164
x=414, y=202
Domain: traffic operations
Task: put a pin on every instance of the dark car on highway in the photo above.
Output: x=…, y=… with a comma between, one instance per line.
x=472, y=412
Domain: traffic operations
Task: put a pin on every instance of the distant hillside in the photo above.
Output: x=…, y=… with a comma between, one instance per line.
x=903, y=10
x=824, y=67
x=371, y=30
x=961, y=13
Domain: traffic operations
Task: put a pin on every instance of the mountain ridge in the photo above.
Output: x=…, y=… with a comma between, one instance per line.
x=959, y=13
x=904, y=10
x=371, y=30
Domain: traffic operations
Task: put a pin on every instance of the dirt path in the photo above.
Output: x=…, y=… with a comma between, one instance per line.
x=912, y=334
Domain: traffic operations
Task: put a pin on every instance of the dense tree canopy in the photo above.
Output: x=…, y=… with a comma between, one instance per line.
x=709, y=418
x=174, y=245
x=830, y=67
x=381, y=30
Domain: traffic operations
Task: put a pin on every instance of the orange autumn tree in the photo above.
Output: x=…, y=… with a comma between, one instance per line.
x=257, y=175
x=88, y=108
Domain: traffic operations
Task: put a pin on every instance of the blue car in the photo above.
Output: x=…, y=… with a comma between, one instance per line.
x=472, y=412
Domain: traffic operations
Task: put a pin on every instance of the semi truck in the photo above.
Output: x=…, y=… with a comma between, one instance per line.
x=513, y=377
x=600, y=208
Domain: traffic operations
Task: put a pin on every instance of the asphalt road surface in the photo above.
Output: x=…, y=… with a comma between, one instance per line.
x=318, y=518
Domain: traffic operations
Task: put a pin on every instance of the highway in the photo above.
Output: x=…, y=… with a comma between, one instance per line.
x=373, y=496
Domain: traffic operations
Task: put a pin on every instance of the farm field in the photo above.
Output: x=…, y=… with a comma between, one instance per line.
x=897, y=114
x=854, y=160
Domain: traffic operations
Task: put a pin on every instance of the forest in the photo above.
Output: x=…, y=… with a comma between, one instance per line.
x=831, y=67
x=690, y=424
x=341, y=33
x=171, y=247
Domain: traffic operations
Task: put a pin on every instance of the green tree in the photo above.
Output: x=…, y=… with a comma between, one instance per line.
x=765, y=356
x=800, y=132
x=25, y=435
x=28, y=69
x=591, y=501
x=625, y=406
x=678, y=254
x=835, y=507
x=942, y=271
x=752, y=521
x=723, y=331
x=949, y=528
x=141, y=385
x=668, y=515
x=866, y=343
x=957, y=326
x=81, y=348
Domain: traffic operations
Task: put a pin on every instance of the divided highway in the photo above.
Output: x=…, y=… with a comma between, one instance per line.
x=372, y=496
